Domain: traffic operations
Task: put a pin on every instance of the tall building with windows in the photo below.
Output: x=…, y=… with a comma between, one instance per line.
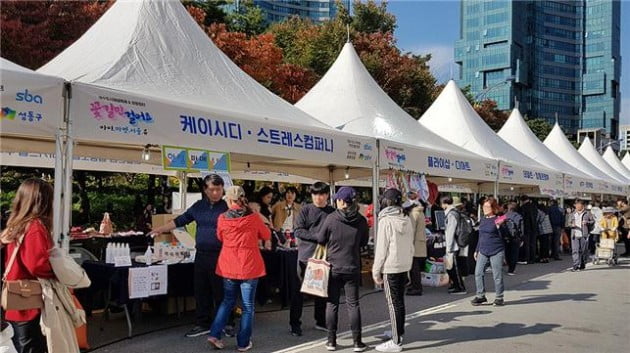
x=317, y=11
x=549, y=57
x=625, y=137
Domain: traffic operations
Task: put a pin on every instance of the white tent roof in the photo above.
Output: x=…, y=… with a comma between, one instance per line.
x=611, y=158
x=348, y=98
x=32, y=103
x=559, y=144
x=590, y=153
x=517, y=133
x=452, y=117
x=626, y=161
x=145, y=73
x=154, y=48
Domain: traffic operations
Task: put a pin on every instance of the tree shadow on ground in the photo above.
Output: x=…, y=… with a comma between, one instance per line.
x=535, y=299
x=462, y=334
x=533, y=285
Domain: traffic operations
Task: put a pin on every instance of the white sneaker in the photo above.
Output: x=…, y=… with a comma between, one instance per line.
x=389, y=346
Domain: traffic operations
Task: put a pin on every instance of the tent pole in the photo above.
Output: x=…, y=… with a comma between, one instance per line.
x=375, y=184
x=67, y=188
x=331, y=183
x=183, y=183
x=496, y=182
x=58, y=188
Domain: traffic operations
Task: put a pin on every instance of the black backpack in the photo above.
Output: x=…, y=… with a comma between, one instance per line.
x=463, y=230
x=513, y=231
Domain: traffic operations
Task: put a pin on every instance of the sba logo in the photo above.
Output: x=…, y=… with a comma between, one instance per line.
x=28, y=98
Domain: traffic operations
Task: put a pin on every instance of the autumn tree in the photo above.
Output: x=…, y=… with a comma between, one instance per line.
x=213, y=13
x=34, y=32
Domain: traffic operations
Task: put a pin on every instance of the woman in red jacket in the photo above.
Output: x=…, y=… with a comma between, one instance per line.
x=240, y=264
x=31, y=216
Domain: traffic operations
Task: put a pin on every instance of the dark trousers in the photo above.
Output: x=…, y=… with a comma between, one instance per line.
x=297, y=304
x=395, y=295
x=626, y=241
x=511, y=253
x=555, y=242
x=544, y=245
x=579, y=249
x=455, y=274
x=28, y=337
x=528, y=251
x=415, y=274
x=350, y=284
x=208, y=287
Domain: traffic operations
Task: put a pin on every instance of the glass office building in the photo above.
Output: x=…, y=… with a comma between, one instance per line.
x=317, y=11
x=549, y=57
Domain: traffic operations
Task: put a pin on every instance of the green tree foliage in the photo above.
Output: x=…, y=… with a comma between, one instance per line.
x=249, y=19
x=540, y=127
x=370, y=17
x=212, y=9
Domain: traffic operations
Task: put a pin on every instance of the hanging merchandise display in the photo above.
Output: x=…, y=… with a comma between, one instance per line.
x=424, y=188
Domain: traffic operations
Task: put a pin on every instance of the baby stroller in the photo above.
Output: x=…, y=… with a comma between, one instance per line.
x=606, y=251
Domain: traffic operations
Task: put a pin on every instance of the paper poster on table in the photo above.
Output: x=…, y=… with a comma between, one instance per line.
x=158, y=280
x=139, y=283
x=174, y=158
x=112, y=116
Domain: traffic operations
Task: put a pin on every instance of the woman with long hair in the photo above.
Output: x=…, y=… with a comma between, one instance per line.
x=240, y=265
x=30, y=226
x=490, y=248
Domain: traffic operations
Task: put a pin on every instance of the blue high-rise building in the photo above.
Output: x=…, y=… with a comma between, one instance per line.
x=317, y=11
x=552, y=57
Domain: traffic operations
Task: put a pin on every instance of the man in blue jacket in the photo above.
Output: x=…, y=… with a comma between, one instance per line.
x=208, y=286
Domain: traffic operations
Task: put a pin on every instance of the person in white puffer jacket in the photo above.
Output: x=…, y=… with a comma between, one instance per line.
x=392, y=261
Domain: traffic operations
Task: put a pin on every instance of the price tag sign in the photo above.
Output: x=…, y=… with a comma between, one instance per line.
x=122, y=261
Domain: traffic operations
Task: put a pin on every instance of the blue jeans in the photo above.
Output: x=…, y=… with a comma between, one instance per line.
x=230, y=295
x=496, y=262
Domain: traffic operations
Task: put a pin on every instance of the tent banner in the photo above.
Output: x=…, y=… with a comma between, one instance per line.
x=194, y=160
x=512, y=174
x=106, y=115
x=439, y=163
x=31, y=105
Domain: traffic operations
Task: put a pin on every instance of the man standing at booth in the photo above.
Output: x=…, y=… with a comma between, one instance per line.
x=208, y=286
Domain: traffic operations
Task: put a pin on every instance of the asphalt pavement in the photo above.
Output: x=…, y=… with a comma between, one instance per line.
x=548, y=309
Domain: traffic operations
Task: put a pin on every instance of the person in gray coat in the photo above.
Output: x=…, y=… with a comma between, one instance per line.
x=581, y=224
x=450, y=204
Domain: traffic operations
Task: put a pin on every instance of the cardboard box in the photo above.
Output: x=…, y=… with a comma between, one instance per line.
x=159, y=220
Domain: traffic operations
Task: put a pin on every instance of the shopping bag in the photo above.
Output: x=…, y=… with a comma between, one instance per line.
x=81, y=331
x=434, y=267
x=435, y=279
x=6, y=334
x=317, y=274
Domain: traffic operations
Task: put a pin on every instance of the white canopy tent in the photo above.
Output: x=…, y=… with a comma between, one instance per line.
x=626, y=161
x=33, y=106
x=452, y=117
x=516, y=132
x=611, y=158
x=559, y=144
x=145, y=74
x=349, y=99
x=592, y=155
